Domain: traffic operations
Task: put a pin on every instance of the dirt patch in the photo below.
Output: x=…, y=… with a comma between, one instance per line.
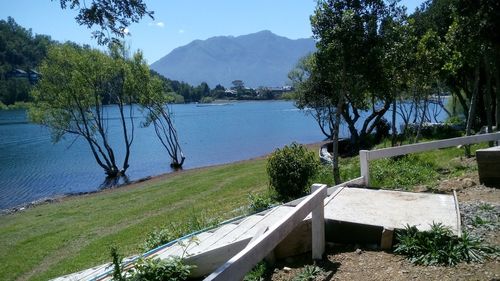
x=480, y=211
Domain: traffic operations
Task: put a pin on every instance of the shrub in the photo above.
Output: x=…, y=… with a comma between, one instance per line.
x=290, y=171
x=439, y=246
x=171, y=269
x=3, y=106
x=157, y=238
x=260, y=202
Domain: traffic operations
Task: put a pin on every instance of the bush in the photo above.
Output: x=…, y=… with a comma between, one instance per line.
x=290, y=171
x=439, y=246
x=260, y=202
x=3, y=106
x=172, y=269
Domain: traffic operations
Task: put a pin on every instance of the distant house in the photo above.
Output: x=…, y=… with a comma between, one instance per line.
x=32, y=75
x=17, y=73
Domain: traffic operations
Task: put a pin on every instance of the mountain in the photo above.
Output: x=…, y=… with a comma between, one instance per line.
x=258, y=59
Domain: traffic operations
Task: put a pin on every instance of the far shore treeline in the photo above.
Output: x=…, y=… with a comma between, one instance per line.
x=22, y=52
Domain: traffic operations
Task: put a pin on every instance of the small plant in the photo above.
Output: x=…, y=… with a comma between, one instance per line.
x=257, y=273
x=439, y=246
x=260, y=202
x=290, y=171
x=172, y=269
x=117, y=265
x=308, y=273
x=479, y=221
x=157, y=238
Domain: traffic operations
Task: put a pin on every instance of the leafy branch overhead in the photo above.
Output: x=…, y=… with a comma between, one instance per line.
x=112, y=16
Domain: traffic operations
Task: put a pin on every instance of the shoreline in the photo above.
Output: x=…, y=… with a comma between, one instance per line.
x=132, y=184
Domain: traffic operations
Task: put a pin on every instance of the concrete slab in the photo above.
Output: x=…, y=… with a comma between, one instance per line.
x=393, y=209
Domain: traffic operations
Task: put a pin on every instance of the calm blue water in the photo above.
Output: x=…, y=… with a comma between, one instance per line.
x=32, y=167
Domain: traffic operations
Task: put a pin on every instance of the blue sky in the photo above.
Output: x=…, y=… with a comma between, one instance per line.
x=176, y=22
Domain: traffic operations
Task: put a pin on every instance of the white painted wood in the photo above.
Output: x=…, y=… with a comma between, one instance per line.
x=457, y=210
x=318, y=224
x=365, y=169
x=365, y=156
x=241, y=263
x=424, y=146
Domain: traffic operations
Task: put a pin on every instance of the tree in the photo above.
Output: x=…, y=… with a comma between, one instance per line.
x=159, y=115
x=112, y=17
x=349, y=61
x=69, y=99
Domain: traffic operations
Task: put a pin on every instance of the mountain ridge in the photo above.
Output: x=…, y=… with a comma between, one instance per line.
x=258, y=59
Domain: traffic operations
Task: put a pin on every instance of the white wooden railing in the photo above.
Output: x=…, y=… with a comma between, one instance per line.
x=261, y=246
x=367, y=155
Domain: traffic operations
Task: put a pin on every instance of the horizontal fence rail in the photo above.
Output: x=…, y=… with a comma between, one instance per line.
x=257, y=249
x=367, y=155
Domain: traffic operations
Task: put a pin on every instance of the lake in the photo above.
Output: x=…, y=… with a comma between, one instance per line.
x=32, y=167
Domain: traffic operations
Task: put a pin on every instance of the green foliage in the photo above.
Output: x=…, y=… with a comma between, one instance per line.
x=112, y=17
x=207, y=100
x=171, y=269
x=3, y=106
x=290, y=171
x=257, y=273
x=324, y=175
x=260, y=201
x=19, y=49
x=117, y=265
x=439, y=246
x=161, y=236
x=309, y=273
x=402, y=172
x=157, y=238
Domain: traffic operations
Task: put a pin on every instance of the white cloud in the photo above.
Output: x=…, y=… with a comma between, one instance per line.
x=181, y=31
x=159, y=24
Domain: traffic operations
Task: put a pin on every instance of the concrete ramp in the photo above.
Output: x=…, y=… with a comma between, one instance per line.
x=393, y=209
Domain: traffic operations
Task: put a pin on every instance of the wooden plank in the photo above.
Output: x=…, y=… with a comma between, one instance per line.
x=457, y=210
x=244, y=233
x=232, y=235
x=420, y=147
x=241, y=263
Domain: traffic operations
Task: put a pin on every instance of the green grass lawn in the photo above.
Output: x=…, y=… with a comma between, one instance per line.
x=65, y=237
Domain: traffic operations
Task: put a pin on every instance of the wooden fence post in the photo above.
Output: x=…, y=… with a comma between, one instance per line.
x=363, y=163
x=318, y=225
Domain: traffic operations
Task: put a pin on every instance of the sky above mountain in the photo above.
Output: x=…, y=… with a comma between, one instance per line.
x=176, y=22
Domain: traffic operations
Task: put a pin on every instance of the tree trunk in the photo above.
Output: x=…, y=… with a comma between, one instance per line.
x=422, y=119
x=393, y=125
x=335, y=143
x=472, y=109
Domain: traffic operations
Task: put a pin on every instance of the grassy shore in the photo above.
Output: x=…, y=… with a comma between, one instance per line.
x=76, y=233
x=55, y=239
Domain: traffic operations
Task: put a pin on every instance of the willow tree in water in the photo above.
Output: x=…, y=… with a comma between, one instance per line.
x=72, y=96
x=159, y=115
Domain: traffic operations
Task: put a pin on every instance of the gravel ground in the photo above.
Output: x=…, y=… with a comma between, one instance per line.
x=480, y=211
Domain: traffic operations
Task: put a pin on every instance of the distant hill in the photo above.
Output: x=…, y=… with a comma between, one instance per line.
x=258, y=59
